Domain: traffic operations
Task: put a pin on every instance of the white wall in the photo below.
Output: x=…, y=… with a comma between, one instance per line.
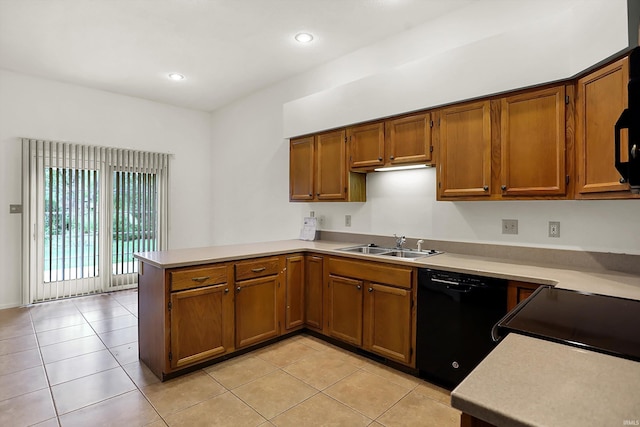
x=37, y=108
x=250, y=156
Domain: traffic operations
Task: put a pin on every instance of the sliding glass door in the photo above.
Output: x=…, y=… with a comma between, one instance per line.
x=90, y=209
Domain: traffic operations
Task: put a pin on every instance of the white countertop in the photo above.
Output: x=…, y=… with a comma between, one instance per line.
x=531, y=382
x=601, y=282
x=524, y=381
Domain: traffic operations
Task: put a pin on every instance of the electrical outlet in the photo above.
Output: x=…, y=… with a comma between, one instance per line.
x=554, y=228
x=509, y=226
x=312, y=213
x=347, y=220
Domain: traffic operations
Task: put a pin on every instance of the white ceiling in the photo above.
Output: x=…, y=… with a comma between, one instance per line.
x=227, y=49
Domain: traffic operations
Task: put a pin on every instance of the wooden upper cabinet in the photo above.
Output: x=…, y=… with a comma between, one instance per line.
x=532, y=143
x=331, y=169
x=301, y=168
x=408, y=139
x=366, y=145
x=464, y=166
x=601, y=98
x=318, y=170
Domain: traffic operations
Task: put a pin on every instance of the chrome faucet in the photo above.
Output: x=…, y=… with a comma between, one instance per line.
x=399, y=241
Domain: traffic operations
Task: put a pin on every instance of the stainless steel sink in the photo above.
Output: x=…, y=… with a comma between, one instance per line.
x=405, y=253
x=365, y=249
x=391, y=252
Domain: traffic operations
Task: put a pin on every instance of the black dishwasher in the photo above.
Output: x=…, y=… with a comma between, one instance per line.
x=455, y=315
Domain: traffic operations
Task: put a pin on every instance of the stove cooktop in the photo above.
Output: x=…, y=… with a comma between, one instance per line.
x=595, y=322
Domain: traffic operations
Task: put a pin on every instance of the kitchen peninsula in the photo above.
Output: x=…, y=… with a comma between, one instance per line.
x=176, y=286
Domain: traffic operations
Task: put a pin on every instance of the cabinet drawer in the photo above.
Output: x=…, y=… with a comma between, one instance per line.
x=257, y=268
x=197, y=277
x=372, y=271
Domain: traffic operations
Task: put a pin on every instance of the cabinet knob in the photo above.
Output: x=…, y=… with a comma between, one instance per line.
x=238, y=289
x=226, y=291
x=622, y=180
x=310, y=194
x=370, y=289
x=379, y=159
x=391, y=157
x=358, y=287
x=485, y=188
x=317, y=194
x=503, y=187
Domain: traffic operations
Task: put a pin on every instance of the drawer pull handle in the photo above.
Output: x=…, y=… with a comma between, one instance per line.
x=259, y=269
x=201, y=279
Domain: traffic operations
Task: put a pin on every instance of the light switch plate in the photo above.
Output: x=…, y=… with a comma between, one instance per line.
x=554, y=228
x=15, y=209
x=347, y=220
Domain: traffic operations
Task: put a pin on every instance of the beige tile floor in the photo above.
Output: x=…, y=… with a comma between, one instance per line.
x=75, y=363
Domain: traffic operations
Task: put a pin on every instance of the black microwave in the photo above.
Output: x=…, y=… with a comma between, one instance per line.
x=630, y=120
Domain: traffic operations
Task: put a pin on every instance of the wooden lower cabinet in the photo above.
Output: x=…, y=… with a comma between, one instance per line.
x=518, y=291
x=314, y=273
x=387, y=322
x=345, y=309
x=256, y=311
x=377, y=317
x=294, y=292
x=201, y=324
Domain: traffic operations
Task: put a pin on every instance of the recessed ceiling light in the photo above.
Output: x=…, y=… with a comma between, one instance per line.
x=304, y=37
x=176, y=76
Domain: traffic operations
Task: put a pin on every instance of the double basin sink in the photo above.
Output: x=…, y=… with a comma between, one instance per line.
x=390, y=252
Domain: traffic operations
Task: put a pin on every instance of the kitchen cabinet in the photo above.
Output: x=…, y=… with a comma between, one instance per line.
x=294, y=292
x=532, y=143
x=601, y=98
x=256, y=300
x=408, y=140
x=518, y=291
x=370, y=305
x=201, y=324
x=313, y=295
x=388, y=321
x=399, y=141
x=513, y=147
x=464, y=168
x=345, y=309
x=185, y=316
x=366, y=146
x=318, y=170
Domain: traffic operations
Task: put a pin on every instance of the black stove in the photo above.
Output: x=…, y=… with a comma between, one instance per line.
x=595, y=322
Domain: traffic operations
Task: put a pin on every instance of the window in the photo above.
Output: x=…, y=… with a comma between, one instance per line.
x=89, y=210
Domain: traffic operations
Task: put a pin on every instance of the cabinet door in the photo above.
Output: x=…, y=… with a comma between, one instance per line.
x=294, y=292
x=518, y=291
x=201, y=324
x=301, y=172
x=255, y=309
x=331, y=174
x=533, y=143
x=464, y=168
x=408, y=139
x=345, y=312
x=387, y=323
x=601, y=98
x=313, y=291
x=366, y=145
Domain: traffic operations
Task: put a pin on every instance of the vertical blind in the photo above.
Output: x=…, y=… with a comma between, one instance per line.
x=88, y=209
